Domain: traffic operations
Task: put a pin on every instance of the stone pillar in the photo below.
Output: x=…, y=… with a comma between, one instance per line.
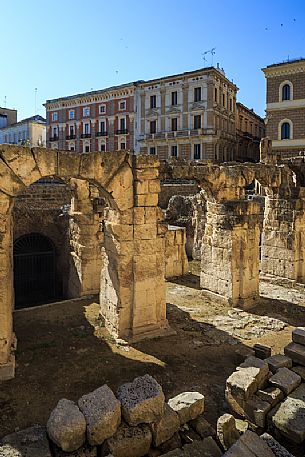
x=230, y=251
x=283, y=238
x=7, y=358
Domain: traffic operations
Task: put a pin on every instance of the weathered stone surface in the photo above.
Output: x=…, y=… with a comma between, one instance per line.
x=286, y=380
x=289, y=416
x=298, y=335
x=84, y=451
x=187, y=405
x=165, y=428
x=227, y=432
x=173, y=443
x=278, y=361
x=188, y=435
x=202, y=427
x=204, y=448
x=67, y=426
x=273, y=395
x=240, y=386
x=262, y=351
x=296, y=352
x=298, y=369
x=102, y=412
x=130, y=441
x=256, y=410
x=249, y=445
x=30, y=442
x=258, y=368
x=142, y=400
x=276, y=448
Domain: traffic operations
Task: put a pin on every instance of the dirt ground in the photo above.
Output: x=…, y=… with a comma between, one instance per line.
x=64, y=351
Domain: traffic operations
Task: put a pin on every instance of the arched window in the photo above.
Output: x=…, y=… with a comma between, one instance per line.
x=286, y=92
x=285, y=131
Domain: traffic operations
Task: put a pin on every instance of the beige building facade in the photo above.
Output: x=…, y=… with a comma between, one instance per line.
x=30, y=132
x=250, y=129
x=286, y=107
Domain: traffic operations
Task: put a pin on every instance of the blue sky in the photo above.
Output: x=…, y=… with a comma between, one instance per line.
x=72, y=46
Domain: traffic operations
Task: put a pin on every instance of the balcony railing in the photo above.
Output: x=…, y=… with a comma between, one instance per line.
x=85, y=135
x=53, y=138
x=70, y=137
x=121, y=132
x=179, y=134
x=103, y=133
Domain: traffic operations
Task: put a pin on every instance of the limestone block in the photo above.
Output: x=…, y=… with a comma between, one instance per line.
x=202, y=427
x=298, y=335
x=145, y=232
x=256, y=410
x=166, y=427
x=22, y=163
x=204, y=448
x=289, y=416
x=146, y=200
x=272, y=395
x=298, y=369
x=139, y=215
x=278, y=361
x=240, y=386
x=141, y=187
x=32, y=442
x=67, y=426
x=257, y=367
x=154, y=186
x=276, y=448
x=146, y=174
x=130, y=441
x=84, y=451
x=249, y=445
x=68, y=163
x=286, y=380
x=102, y=412
x=188, y=405
x=46, y=160
x=227, y=432
x=142, y=400
x=262, y=351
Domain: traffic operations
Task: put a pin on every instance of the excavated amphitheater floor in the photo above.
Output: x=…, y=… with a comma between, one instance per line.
x=64, y=351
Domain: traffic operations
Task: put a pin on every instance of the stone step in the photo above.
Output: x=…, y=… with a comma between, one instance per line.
x=298, y=335
x=296, y=352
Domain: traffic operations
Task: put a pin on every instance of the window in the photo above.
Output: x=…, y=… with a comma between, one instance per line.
x=71, y=130
x=102, y=126
x=231, y=104
x=153, y=101
x=153, y=126
x=122, y=105
x=54, y=117
x=87, y=148
x=72, y=148
x=286, y=92
x=223, y=100
x=123, y=123
x=71, y=114
x=102, y=109
x=55, y=132
x=174, y=151
x=197, y=94
x=285, y=131
x=174, y=98
x=123, y=145
x=86, y=112
x=197, y=121
x=174, y=124
x=87, y=128
x=152, y=151
x=103, y=147
x=215, y=95
x=197, y=151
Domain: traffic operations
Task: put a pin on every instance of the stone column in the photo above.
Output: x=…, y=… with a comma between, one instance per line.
x=283, y=238
x=230, y=251
x=7, y=358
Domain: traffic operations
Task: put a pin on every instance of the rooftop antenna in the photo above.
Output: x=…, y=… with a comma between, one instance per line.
x=5, y=101
x=35, y=101
x=210, y=51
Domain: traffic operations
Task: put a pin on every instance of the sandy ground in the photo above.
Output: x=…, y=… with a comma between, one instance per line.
x=64, y=351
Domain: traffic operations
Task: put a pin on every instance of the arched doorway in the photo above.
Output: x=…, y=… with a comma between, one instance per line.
x=34, y=270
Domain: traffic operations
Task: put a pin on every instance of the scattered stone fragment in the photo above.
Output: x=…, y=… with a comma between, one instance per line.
x=202, y=427
x=130, y=441
x=102, y=412
x=165, y=428
x=256, y=410
x=296, y=352
x=67, y=426
x=32, y=442
x=227, y=432
x=142, y=400
x=258, y=368
x=286, y=380
x=84, y=451
x=298, y=335
x=278, y=361
x=298, y=369
x=273, y=395
x=277, y=449
x=188, y=435
x=261, y=351
x=249, y=445
x=188, y=405
x=241, y=425
x=289, y=416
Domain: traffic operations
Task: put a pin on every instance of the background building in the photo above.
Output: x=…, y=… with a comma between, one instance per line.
x=7, y=117
x=286, y=107
x=30, y=131
x=250, y=129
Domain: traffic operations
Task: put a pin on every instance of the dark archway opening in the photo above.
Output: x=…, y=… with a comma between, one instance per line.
x=34, y=270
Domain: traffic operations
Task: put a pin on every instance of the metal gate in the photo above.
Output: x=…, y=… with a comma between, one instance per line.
x=34, y=270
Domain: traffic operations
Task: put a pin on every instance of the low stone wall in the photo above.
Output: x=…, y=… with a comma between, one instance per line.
x=176, y=262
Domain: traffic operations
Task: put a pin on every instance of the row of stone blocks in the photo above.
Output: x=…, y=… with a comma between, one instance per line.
x=270, y=392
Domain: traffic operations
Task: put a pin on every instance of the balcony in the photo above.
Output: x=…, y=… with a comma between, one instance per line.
x=179, y=134
x=70, y=137
x=53, y=138
x=85, y=135
x=103, y=133
x=121, y=132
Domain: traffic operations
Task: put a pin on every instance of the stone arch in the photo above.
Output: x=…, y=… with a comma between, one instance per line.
x=133, y=299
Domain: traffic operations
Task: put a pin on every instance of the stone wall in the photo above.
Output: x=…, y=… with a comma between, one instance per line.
x=170, y=189
x=176, y=262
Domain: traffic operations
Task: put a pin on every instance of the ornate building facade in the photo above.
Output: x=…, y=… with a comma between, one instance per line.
x=250, y=129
